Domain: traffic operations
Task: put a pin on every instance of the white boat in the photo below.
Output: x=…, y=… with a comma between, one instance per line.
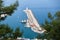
x=32, y=22
x=24, y=21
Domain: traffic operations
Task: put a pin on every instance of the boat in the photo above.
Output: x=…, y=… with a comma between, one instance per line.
x=32, y=22
x=23, y=21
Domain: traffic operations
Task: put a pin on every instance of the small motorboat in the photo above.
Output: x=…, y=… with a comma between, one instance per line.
x=24, y=21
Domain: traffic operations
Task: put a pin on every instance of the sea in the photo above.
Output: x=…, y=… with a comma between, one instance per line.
x=40, y=13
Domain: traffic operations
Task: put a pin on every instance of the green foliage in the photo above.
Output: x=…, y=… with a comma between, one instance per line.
x=17, y=33
x=52, y=27
x=10, y=9
x=57, y=14
x=1, y=3
x=7, y=9
x=6, y=32
x=50, y=16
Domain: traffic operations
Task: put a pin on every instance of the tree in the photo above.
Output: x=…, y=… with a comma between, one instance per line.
x=7, y=9
x=52, y=27
x=17, y=33
x=5, y=31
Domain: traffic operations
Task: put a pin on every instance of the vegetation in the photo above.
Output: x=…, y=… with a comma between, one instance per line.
x=6, y=32
x=7, y=9
x=17, y=33
x=52, y=27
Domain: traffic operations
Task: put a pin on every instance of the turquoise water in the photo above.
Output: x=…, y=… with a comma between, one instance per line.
x=19, y=15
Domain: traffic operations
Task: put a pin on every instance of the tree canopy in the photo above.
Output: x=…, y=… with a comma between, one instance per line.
x=52, y=27
x=7, y=32
x=7, y=9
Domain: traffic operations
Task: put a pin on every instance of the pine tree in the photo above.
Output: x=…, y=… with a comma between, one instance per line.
x=5, y=31
x=52, y=27
x=17, y=33
x=8, y=10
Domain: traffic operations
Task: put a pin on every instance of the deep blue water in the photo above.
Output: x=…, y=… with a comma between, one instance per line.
x=19, y=15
